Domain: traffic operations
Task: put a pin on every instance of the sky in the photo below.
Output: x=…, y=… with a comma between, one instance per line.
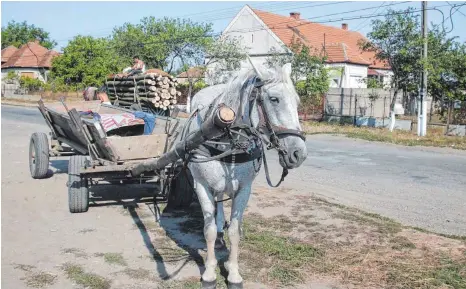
x=65, y=19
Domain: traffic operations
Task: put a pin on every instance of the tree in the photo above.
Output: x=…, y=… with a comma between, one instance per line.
x=396, y=41
x=86, y=61
x=308, y=72
x=17, y=34
x=159, y=42
x=214, y=58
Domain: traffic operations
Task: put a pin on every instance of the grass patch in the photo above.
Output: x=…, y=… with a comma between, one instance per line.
x=401, y=242
x=190, y=283
x=382, y=225
x=76, y=252
x=87, y=280
x=285, y=255
x=113, y=258
x=139, y=274
x=24, y=267
x=286, y=276
x=434, y=137
x=451, y=273
x=40, y=280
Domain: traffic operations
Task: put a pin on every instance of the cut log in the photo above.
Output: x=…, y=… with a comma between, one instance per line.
x=130, y=82
x=166, y=102
x=147, y=88
x=146, y=94
x=172, y=91
x=165, y=80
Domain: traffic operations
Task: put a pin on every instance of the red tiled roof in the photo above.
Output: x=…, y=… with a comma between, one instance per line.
x=7, y=52
x=31, y=54
x=340, y=45
x=193, y=72
x=373, y=72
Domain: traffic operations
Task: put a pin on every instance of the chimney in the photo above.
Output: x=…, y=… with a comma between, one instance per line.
x=344, y=26
x=295, y=15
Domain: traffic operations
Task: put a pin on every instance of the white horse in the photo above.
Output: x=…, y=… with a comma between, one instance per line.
x=266, y=105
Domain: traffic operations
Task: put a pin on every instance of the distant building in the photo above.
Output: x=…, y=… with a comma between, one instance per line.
x=261, y=31
x=30, y=60
x=195, y=73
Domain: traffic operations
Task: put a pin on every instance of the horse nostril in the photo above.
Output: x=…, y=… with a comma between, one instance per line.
x=294, y=157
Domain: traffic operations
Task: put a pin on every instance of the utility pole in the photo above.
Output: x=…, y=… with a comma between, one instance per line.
x=422, y=113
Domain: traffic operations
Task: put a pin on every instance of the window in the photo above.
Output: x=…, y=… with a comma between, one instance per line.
x=28, y=74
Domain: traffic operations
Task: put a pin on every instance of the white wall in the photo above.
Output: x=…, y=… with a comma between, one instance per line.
x=346, y=75
x=257, y=39
x=249, y=30
x=37, y=73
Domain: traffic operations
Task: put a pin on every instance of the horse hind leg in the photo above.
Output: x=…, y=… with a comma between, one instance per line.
x=235, y=281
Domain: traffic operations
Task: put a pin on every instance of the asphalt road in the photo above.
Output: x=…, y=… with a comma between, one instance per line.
x=423, y=187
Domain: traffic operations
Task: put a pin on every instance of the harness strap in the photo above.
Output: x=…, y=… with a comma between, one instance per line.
x=267, y=173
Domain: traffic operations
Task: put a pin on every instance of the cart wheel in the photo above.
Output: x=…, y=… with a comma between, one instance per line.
x=39, y=155
x=78, y=192
x=180, y=194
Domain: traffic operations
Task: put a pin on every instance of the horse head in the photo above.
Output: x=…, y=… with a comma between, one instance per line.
x=277, y=112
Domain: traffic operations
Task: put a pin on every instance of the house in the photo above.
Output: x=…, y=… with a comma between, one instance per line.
x=263, y=32
x=195, y=73
x=30, y=60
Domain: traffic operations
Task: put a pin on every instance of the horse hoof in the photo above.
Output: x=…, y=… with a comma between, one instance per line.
x=235, y=285
x=208, y=284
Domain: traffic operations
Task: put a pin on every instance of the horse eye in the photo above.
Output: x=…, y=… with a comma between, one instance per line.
x=274, y=99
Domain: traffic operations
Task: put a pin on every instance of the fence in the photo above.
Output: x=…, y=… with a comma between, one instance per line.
x=12, y=90
x=358, y=102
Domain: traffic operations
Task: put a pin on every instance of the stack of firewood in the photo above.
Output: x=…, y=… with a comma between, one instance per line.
x=155, y=90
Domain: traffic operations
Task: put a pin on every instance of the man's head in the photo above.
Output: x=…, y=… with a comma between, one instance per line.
x=135, y=58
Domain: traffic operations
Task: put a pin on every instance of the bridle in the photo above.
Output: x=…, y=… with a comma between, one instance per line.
x=272, y=142
x=274, y=131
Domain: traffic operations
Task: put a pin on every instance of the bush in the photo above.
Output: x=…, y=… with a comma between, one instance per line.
x=11, y=75
x=30, y=83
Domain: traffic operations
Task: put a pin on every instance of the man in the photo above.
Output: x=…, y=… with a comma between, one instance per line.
x=138, y=66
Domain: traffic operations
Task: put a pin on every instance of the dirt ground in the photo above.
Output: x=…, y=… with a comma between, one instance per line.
x=292, y=239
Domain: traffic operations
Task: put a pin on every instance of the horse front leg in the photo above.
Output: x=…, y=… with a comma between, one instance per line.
x=240, y=202
x=207, y=203
x=220, y=220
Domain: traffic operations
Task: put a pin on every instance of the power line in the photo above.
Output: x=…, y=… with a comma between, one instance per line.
x=364, y=21
x=287, y=27
x=458, y=10
x=224, y=16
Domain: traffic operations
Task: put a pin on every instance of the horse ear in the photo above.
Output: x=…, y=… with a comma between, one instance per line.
x=287, y=69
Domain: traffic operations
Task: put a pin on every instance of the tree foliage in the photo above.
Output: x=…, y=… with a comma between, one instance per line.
x=308, y=71
x=215, y=58
x=396, y=41
x=159, y=42
x=85, y=61
x=446, y=65
x=223, y=56
x=19, y=33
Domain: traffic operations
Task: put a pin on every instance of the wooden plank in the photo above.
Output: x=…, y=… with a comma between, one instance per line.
x=138, y=147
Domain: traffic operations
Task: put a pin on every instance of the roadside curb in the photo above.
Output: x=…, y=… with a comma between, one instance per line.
x=25, y=104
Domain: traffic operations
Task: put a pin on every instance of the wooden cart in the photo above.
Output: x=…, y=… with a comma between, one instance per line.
x=101, y=156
